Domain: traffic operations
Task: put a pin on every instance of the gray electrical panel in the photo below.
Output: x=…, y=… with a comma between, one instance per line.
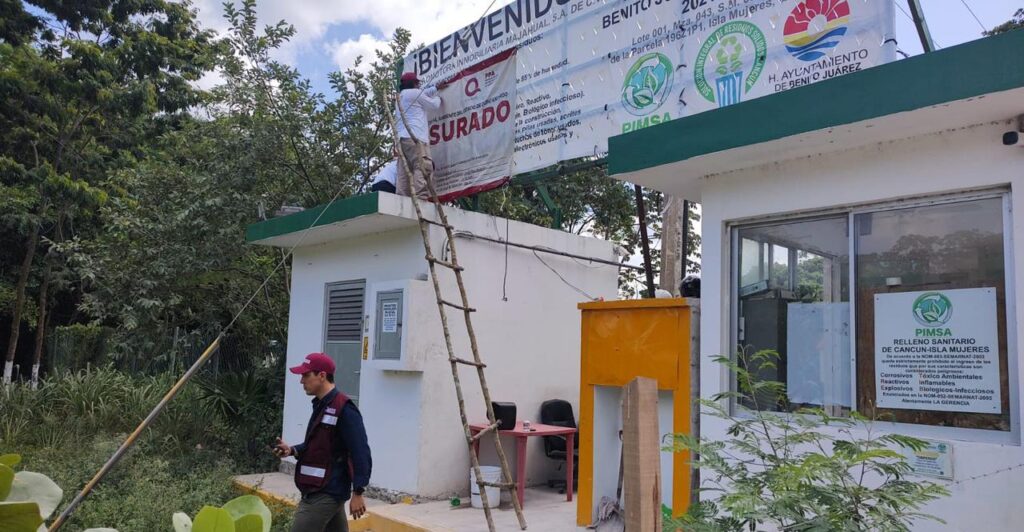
x=388, y=326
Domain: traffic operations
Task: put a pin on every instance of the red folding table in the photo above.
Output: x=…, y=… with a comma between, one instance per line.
x=536, y=429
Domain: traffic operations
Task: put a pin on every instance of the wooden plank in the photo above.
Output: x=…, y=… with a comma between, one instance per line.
x=641, y=486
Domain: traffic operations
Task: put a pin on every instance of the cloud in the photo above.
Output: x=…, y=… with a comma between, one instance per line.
x=428, y=20
x=344, y=53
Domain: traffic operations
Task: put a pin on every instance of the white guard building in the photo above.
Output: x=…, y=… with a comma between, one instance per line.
x=868, y=228
x=361, y=293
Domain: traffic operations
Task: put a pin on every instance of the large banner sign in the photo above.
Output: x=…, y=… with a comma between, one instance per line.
x=473, y=136
x=591, y=69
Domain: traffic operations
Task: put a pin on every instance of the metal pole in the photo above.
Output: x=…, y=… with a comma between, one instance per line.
x=641, y=214
x=917, y=12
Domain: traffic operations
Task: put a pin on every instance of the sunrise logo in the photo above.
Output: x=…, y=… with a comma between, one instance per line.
x=814, y=27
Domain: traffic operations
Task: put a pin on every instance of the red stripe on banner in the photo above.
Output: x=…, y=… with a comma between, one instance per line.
x=473, y=190
x=486, y=63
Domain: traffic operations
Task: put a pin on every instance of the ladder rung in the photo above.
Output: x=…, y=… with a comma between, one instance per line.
x=439, y=224
x=502, y=485
x=482, y=433
x=468, y=362
x=448, y=265
x=456, y=305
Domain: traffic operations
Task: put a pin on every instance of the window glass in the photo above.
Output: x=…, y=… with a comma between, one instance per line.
x=799, y=309
x=750, y=262
x=931, y=315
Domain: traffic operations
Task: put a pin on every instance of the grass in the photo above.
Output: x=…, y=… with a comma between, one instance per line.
x=70, y=426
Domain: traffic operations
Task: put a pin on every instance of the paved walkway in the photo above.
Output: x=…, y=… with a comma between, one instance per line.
x=546, y=510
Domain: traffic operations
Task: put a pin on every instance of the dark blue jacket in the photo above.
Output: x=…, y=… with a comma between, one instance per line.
x=350, y=443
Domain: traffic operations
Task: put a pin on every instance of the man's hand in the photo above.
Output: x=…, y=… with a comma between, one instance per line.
x=281, y=449
x=357, y=506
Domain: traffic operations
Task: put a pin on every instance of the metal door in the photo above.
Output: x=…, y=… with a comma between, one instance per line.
x=343, y=332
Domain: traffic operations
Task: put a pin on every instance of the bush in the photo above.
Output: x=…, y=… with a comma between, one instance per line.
x=74, y=422
x=804, y=471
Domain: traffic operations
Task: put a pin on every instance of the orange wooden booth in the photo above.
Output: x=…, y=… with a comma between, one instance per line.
x=622, y=340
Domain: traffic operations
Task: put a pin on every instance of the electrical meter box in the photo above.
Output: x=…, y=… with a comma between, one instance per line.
x=402, y=326
x=387, y=334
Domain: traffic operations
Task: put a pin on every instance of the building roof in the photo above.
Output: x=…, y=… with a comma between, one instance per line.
x=345, y=218
x=974, y=83
x=376, y=213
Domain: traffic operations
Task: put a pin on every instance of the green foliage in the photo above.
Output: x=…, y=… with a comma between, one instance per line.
x=26, y=498
x=78, y=107
x=20, y=516
x=75, y=421
x=1016, y=22
x=242, y=514
x=804, y=471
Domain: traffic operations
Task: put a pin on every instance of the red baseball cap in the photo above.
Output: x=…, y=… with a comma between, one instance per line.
x=409, y=76
x=315, y=362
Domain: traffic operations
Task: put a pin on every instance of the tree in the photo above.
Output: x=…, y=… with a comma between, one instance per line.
x=82, y=98
x=1016, y=22
x=174, y=254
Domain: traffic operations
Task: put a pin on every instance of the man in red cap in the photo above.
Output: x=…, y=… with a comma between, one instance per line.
x=334, y=459
x=411, y=120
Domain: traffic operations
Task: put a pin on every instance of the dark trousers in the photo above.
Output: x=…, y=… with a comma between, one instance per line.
x=383, y=186
x=320, y=512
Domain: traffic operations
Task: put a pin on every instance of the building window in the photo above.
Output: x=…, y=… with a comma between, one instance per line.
x=945, y=361
x=794, y=300
x=929, y=311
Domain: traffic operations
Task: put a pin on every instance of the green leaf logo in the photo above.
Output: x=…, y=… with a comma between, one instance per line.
x=932, y=309
x=647, y=84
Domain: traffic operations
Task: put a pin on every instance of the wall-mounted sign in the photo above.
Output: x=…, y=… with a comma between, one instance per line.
x=938, y=350
x=587, y=70
x=935, y=459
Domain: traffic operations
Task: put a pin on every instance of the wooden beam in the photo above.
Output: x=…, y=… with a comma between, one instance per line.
x=641, y=455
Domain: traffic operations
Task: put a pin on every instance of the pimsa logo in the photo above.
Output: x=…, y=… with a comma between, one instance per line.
x=932, y=309
x=647, y=84
x=733, y=71
x=815, y=26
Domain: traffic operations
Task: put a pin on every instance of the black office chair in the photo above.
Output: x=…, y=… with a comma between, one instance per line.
x=558, y=412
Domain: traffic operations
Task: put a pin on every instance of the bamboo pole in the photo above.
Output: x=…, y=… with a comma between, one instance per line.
x=210, y=349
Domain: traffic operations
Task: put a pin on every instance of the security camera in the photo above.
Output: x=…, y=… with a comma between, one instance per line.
x=1015, y=138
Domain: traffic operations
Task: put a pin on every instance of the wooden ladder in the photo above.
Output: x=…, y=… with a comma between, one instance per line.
x=461, y=305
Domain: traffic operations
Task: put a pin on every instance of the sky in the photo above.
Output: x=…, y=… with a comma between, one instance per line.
x=331, y=33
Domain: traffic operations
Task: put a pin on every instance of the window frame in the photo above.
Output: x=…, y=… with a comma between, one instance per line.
x=1010, y=437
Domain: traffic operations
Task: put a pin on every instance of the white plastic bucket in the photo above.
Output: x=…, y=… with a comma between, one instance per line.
x=490, y=474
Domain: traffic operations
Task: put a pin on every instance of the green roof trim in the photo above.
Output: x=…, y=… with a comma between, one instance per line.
x=984, y=66
x=339, y=211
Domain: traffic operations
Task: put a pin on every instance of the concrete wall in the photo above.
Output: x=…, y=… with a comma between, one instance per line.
x=963, y=159
x=608, y=446
x=529, y=341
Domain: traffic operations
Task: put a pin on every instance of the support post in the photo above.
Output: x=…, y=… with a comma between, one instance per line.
x=641, y=214
x=694, y=305
x=673, y=261
x=684, y=261
x=917, y=12
x=641, y=460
